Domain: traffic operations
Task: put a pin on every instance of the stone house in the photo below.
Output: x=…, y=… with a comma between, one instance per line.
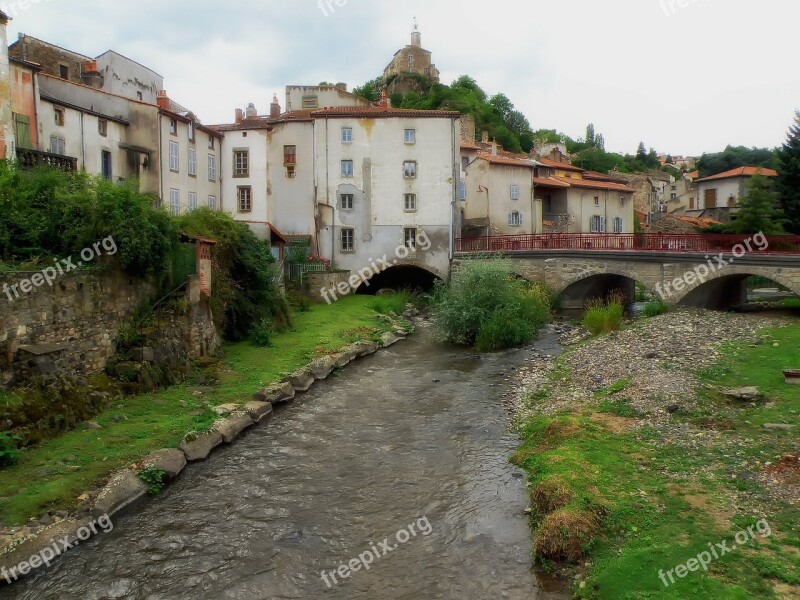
x=411, y=60
x=724, y=190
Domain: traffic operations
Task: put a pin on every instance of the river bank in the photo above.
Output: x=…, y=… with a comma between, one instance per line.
x=62, y=478
x=638, y=459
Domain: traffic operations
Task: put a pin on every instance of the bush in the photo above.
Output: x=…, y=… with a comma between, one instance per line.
x=395, y=302
x=604, y=317
x=485, y=303
x=9, y=453
x=154, y=478
x=653, y=309
x=262, y=334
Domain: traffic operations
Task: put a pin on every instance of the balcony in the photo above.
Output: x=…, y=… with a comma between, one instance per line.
x=29, y=159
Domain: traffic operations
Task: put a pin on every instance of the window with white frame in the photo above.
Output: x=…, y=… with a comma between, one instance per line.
x=347, y=135
x=347, y=239
x=515, y=192
x=515, y=219
x=410, y=169
x=410, y=203
x=174, y=165
x=212, y=202
x=191, y=131
x=175, y=201
x=348, y=201
x=410, y=136
x=617, y=224
x=598, y=224
x=410, y=237
x=192, y=162
x=462, y=191
x=241, y=163
x=58, y=145
x=211, y=142
x=244, y=194
x=212, y=167
x=192, y=200
x=347, y=169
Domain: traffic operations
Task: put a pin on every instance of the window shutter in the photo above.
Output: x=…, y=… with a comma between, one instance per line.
x=23, y=131
x=510, y=219
x=602, y=224
x=521, y=223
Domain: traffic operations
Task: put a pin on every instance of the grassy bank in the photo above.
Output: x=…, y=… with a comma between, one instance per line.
x=632, y=497
x=52, y=475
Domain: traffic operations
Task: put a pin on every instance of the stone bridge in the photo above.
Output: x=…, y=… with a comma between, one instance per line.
x=685, y=278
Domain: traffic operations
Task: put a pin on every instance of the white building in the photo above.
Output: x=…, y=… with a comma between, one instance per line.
x=6, y=122
x=314, y=97
x=725, y=189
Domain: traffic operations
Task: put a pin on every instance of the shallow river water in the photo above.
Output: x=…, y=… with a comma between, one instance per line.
x=413, y=435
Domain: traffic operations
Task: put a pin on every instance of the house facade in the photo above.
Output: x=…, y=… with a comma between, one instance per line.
x=24, y=103
x=6, y=121
x=314, y=97
x=724, y=190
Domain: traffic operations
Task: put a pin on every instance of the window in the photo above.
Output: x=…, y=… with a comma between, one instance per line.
x=410, y=238
x=175, y=201
x=291, y=173
x=410, y=204
x=411, y=136
x=347, y=135
x=59, y=116
x=57, y=145
x=241, y=163
x=212, y=167
x=347, y=169
x=22, y=130
x=410, y=63
x=597, y=200
x=515, y=219
x=63, y=71
x=310, y=102
x=192, y=162
x=173, y=127
x=598, y=224
x=192, y=200
x=191, y=131
x=105, y=164
x=673, y=195
x=410, y=169
x=290, y=155
x=347, y=240
x=211, y=142
x=173, y=157
x=710, y=198
x=245, y=196
x=622, y=200
x=464, y=162
x=515, y=192
x=462, y=192
x=548, y=204
x=139, y=96
x=212, y=202
x=347, y=201
x=102, y=127
x=617, y=224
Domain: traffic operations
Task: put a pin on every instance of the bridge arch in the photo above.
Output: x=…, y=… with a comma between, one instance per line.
x=727, y=287
x=402, y=276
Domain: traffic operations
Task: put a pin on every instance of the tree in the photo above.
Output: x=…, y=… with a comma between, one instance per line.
x=502, y=103
x=641, y=153
x=757, y=212
x=733, y=157
x=370, y=90
x=600, y=142
x=590, y=137
x=789, y=175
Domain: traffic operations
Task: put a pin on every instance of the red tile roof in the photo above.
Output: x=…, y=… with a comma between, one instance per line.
x=549, y=182
x=378, y=112
x=557, y=165
x=469, y=145
x=265, y=122
x=506, y=160
x=742, y=172
x=595, y=185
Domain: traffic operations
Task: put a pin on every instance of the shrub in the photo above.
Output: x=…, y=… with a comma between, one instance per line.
x=486, y=303
x=395, y=302
x=565, y=534
x=262, y=334
x=653, y=309
x=9, y=453
x=154, y=478
x=604, y=317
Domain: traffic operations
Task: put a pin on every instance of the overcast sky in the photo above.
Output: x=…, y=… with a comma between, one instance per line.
x=684, y=76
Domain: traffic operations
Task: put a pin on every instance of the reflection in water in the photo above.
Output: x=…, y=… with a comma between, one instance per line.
x=417, y=431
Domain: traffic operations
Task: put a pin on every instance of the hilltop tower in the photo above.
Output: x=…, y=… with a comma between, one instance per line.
x=411, y=60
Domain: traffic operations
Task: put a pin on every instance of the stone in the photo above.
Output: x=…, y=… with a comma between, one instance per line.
x=232, y=427
x=389, y=339
x=276, y=394
x=322, y=367
x=124, y=489
x=777, y=427
x=93, y=425
x=301, y=380
x=651, y=355
x=225, y=409
x=258, y=411
x=342, y=360
x=171, y=461
x=745, y=394
x=55, y=534
x=364, y=348
x=198, y=447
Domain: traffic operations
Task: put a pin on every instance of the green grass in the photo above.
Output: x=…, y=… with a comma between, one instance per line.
x=52, y=475
x=654, y=309
x=793, y=303
x=391, y=303
x=658, y=504
x=606, y=318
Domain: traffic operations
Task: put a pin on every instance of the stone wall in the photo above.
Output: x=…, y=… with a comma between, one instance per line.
x=316, y=282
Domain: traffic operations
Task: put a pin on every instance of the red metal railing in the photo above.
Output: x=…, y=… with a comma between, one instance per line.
x=641, y=242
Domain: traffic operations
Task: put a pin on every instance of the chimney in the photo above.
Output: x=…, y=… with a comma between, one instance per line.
x=239, y=116
x=341, y=86
x=385, y=101
x=251, y=112
x=90, y=75
x=274, y=108
x=162, y=100
x=485, y=137
x=494, y=147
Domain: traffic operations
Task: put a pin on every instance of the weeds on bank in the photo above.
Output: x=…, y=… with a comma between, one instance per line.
x=604, y=316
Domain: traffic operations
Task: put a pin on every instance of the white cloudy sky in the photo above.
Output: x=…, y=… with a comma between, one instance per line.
x=685, y=79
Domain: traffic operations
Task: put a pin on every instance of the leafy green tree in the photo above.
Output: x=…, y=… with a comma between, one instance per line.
x=789, y=175
x=757, y=212
x=733, y=157
x=370, y=90
x=502, y=104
